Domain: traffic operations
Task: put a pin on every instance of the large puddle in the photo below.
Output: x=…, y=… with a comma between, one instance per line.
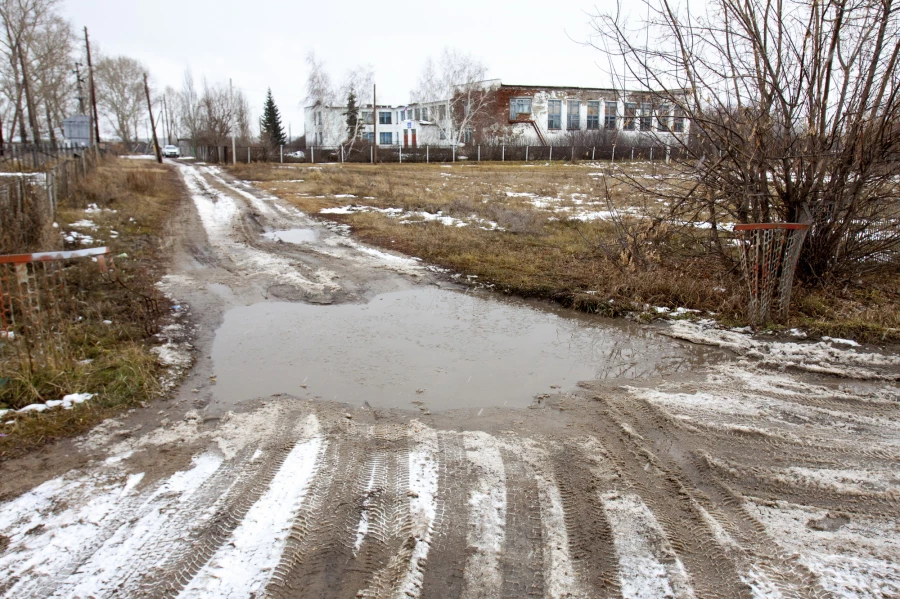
x=444, y=348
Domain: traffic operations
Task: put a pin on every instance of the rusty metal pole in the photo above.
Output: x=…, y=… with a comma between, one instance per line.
x=152, y=123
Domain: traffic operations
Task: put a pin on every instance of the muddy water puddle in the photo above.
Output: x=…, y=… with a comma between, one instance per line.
x=297, y=236
x=444, y=348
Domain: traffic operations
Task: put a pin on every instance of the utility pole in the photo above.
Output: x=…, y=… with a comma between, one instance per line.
x=374, y=126
x=231, y=102
x=94, y=114
x=166, y=121
x=152, y=124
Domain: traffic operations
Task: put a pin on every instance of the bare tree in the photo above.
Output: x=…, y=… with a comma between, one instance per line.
x=52, y=47
x=120, y=94
x=455, y=85
x=791, y=108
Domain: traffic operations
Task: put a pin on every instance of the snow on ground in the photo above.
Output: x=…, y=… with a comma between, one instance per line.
x=830, y=356
x=244, y=564
x=852, y=556
x=487, y=516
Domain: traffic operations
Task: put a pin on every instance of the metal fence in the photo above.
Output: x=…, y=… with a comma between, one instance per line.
x=29, y=200
x=33, y=306
x=366, y=152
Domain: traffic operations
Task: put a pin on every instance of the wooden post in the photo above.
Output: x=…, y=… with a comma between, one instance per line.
x=152, y=123
x=94, y=113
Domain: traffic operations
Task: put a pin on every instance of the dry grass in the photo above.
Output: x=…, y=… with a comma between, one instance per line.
x=113, y=361
x=543, y=252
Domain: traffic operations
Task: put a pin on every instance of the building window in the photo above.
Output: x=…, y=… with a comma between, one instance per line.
x=369, y=137
x=467, y=135
x=662, y=118
x=630, y=114
x=367, y=118
x=319, y=118
x=593, y=115
x=519, y=106
x=384, y=118
x=424, y=113
x=386, y=138
x=442, y=112
x=573, y=114
x=443, y=135
x=416, y=113
x=646, y=117
x=402, y=115
x=609, y=121
x=678, y=121
x=554, y=114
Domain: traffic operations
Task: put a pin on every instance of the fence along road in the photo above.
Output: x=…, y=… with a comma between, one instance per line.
x=739, y=482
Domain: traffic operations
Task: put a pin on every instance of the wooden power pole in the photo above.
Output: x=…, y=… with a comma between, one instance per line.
x=374, y=126
x=152, y=123
x=95, y=116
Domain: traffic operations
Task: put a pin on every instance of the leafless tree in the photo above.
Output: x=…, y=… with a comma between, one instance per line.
x=456, y=82
x=120, y=94
x=791, y=108
x=52, y=48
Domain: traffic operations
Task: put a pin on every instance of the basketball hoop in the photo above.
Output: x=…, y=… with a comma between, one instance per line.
x=769, y=255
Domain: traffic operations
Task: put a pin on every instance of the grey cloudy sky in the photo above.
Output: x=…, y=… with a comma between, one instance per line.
x=264, y=43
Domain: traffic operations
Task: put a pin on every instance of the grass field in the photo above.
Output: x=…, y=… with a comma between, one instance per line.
x=575, y=233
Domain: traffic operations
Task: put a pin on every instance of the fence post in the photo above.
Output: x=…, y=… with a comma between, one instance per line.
x=632, y=152
x=248, y=154
x=426, y=155
x=454, y=153
x=503, y=153
x=401, y=154
x=551, y=153
x=668, y=151
x=593, y=150
x=479, y=153
x=372, y=154
x=651, y=153
x=614, y=153
x=526, y=153
x=312, y=155
x=573, y=154
x=281, y=153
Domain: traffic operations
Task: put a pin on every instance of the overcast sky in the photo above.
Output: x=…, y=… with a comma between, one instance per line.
x=264, y=43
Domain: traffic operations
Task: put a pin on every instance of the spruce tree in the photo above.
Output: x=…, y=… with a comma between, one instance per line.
x=270, y=128
x=353, y=124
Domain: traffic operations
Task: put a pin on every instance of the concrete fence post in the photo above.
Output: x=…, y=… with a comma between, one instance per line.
x=281, y=153
x=401, y=154
x=372, y=154
x=651, y=153
x=614, y=153
x=342, y=153
x=426, y=154
x=312, y=155
x=573, y=154
x=593, y=150
x=248, y=154
x=551, y=152
x=632, y=152
x=479, y=153
x=503, y=153
x=526, y=153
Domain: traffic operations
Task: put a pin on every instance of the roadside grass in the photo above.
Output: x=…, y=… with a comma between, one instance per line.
x=108, y=328
x=542, y=249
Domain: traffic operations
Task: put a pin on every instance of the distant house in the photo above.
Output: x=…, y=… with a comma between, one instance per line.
x=514, y=114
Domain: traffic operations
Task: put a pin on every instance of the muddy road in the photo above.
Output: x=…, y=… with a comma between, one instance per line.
x=355, y=425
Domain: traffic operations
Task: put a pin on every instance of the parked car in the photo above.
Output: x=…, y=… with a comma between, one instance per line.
x=297, y=154
x=171, y=152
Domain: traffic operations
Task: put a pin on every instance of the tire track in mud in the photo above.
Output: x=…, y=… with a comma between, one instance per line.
x=589, y=531
x=523, y=553
x=712, y=570
x=448, y=547
x=760, y=565
x=252, y=480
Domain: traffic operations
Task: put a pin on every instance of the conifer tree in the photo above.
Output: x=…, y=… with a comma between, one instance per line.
x=353, y=124
x=270, y=129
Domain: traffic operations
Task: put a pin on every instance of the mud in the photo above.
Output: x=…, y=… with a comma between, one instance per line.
x=432, y=347
x=679, y=476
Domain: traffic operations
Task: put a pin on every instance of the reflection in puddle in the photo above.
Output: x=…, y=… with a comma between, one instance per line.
x=293, y=235
x=444, y=348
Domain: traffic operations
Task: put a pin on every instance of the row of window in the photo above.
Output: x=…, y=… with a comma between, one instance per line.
x=386, y=117
x=635, y=118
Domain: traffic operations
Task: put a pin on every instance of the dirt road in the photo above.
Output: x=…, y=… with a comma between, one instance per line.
x=731, y=480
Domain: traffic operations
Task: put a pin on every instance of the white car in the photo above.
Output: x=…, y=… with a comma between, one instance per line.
x=297, y=154
x=171, y=152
